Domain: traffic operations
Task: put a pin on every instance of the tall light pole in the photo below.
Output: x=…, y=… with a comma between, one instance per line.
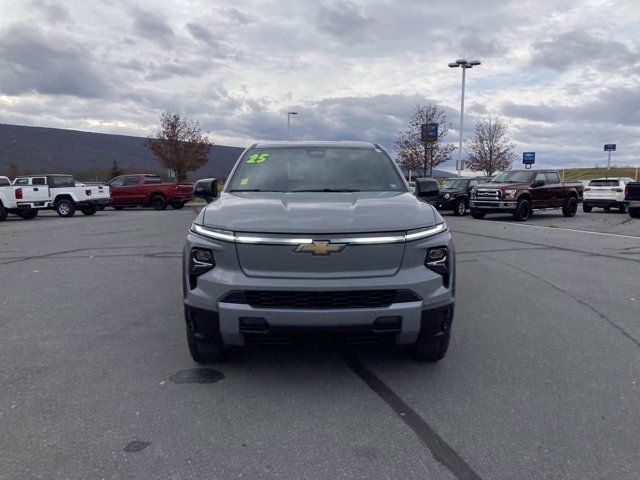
x=464, y=64
x=289, y=124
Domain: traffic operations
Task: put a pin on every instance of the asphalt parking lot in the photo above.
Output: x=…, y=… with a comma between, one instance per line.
x=542, y=379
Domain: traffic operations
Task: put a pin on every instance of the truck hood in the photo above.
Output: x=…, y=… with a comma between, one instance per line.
x=321, y=212
x=502, y=186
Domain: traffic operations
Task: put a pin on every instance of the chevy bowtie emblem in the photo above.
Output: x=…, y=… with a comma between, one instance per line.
x=320, y=248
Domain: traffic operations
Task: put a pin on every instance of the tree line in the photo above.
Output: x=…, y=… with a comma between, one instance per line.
x=489, y=150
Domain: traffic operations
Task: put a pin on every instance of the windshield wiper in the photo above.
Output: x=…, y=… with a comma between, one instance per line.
x=251, y=190
x=327, y=190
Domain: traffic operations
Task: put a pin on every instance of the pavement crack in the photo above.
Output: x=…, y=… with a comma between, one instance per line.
x=439, y=448
x=577, y=299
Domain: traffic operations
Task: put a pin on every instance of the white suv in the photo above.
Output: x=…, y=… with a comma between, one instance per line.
x=605, y=193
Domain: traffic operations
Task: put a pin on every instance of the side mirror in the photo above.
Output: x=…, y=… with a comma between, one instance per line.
x=427, y=188
x=538, y=183
x=207, y=189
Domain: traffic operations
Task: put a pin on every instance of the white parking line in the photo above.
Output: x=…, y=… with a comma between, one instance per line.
x=565, y=229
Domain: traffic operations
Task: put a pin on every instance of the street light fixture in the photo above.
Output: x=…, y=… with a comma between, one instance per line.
x=464, y=64
x=289, y=123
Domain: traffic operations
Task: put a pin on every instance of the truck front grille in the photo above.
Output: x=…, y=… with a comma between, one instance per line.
x=320, y=299
x=488, y=193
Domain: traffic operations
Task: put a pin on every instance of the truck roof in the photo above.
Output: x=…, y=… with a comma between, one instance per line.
x=342, y=143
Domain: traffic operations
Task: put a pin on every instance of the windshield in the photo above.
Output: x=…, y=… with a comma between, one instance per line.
x=513, y=177
x=321, y=169
x=454, y=184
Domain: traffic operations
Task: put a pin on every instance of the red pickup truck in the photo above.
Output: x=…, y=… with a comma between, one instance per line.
x=148, y=190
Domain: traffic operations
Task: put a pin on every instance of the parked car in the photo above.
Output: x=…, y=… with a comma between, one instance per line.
x=23, y=201
x=632, y=198
x=148, y=190
x=427, y=189
x=317, y=240
x=605, y=193
x=454, y=194
x=520, y=192
x=65, y=197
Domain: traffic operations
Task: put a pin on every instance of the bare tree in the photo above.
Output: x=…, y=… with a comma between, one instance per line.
x=411, y=150
x=12, y=171
x=490, y=149
x=179, y=145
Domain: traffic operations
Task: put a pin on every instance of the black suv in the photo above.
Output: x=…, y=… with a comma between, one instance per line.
x=455, y=192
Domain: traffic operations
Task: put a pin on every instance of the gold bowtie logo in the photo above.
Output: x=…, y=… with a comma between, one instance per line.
x=320, y=248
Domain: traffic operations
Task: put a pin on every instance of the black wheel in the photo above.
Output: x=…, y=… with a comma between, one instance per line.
x=634, y=212
x=158, y=202
x=101, y=208
x=178, y=205
x=88, y=210
x=459, y=208
x=570, y=207
x=28, y=214
x=203, y=352
x=432, y=349
x=523, y=210
x=118, y=208
x=65, y=207
x=477, y=214
x=623, y=208
x=3, y=213
x=586, y=208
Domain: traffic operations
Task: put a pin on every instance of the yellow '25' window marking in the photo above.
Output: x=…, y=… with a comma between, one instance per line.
x=258, y=158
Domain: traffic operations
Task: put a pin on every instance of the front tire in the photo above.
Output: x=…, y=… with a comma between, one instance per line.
x=203, y=352
x=477, y=214
x=432, y=349
x=3, y=213
x=459, y=208
x=523, y=210
x=88, y=210
x=65, y=207
x=158, y=202
x=29, y=214
x=570, y=207
x=586, y=208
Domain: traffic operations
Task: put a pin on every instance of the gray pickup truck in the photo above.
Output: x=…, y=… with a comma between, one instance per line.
x=318, y=241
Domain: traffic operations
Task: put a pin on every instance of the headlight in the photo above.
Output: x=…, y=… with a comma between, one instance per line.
x=446, y=196
x=510, y=193
x=437, y=259
x=473, y=192
x=200, y=261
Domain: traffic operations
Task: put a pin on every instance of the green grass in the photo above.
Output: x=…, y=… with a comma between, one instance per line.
x=589, y=173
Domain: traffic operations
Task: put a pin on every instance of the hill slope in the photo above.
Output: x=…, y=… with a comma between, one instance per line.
x=85, y=154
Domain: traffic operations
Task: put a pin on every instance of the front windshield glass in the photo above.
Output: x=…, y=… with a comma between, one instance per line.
x=321, y=169
x=454, y=184
x=513, y=177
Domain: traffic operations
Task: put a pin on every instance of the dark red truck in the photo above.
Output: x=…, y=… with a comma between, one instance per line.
x=148, y=190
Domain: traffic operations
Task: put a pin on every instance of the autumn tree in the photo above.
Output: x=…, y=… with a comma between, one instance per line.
x=411, y=150
x=490, y=150
x=12, y=171
x=179, y=145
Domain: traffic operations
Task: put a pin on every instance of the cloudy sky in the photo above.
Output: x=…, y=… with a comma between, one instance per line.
x=564, y=74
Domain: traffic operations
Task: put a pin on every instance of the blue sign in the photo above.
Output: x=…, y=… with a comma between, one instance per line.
x=610, y=147
x=429, y=132
x=528, y=158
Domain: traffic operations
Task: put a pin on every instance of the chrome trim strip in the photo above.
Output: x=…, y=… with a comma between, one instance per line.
x=230, y=237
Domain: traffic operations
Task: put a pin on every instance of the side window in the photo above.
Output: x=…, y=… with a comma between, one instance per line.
x=130, y=181
x=22, y=181
x=61, y=182
x=149, y=180
x=39, y=181
x=540, y=176
x=552, y=177
x=117, y=182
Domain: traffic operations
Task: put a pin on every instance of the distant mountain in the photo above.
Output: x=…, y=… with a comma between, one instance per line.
x=87, y=154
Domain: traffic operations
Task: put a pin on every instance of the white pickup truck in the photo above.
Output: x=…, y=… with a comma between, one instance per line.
x=22, y=201
x=65, y=197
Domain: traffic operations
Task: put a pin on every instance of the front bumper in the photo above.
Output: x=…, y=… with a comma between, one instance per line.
x=442, y=204
x=493, y=205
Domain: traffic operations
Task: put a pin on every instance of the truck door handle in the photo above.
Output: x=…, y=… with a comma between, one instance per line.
x=35, y=189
